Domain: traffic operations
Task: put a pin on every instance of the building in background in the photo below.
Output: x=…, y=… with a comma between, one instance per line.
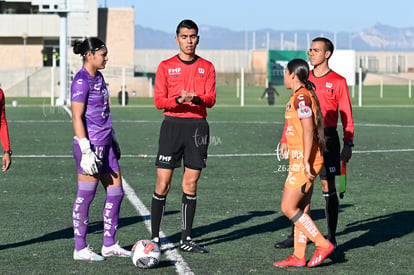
x=30, y=43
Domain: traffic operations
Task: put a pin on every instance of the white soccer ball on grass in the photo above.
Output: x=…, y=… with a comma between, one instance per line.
x=146, y=254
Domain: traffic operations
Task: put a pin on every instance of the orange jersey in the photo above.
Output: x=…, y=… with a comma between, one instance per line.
x=301, y=105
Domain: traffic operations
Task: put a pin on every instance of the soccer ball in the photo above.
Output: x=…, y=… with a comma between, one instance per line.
x=145, y=254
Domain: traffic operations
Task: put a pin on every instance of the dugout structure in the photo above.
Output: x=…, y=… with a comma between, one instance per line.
x=278, y=61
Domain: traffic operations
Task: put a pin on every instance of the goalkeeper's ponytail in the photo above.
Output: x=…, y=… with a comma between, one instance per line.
x=91, y=44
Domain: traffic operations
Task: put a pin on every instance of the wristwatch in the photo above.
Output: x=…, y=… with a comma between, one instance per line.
x=10, y=152
x=350, y=143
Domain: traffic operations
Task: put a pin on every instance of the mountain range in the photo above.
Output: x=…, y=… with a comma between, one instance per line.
x=376, y=38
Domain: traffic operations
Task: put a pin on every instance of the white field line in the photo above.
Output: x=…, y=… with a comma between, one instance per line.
x=210, y=122
x=170, y=252
x=219, y=155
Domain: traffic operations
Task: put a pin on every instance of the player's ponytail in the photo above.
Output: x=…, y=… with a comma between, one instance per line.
x=320, y=129
x=301, y=69
x=91, y=44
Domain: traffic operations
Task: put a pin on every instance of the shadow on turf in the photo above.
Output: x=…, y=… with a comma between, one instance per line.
x=375, y=230
x=67, y=233
x=277, y=224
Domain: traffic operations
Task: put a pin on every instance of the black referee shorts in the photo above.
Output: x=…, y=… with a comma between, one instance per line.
x=183, y=139
x=332, y=157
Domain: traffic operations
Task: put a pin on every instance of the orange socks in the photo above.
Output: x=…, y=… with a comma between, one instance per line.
x=300, y=243
x=305, y=224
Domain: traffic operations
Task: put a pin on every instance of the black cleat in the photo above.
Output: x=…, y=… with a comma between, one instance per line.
x=157, y=241
x=286, y=243
x=190, y=246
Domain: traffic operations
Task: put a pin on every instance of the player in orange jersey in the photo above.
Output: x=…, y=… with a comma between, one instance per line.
x=333, y=95
x=305, y=145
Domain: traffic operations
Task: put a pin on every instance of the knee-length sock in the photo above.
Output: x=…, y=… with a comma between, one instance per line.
x=308, y=227
x=157, y=212
x=300, y=243
x=331, y=212
x=80, y=212
x=188, y=207
x=114, y=196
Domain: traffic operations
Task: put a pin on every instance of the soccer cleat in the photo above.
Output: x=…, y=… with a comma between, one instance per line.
x=190, y=246
x=157, y=241
x=286, y=243
x=291, y=261
x=320, y=255
x=87, y=254
x=115, y=250
x=333, y=241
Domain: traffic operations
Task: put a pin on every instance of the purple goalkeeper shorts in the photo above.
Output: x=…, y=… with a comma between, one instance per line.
x=104, y=152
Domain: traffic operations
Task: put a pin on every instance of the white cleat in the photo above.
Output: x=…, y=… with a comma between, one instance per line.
x=115, y=250
x=87, y=254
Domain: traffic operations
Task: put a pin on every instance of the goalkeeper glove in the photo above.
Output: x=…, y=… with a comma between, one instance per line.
x=90, y=162
x=115, y=146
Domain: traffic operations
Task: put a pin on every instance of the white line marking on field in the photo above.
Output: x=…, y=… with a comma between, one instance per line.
x=383, y=125
x=219, y=155
x=169, y=251
x=67, y=111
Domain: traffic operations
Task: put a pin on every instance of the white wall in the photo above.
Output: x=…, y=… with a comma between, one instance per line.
x=344, y=63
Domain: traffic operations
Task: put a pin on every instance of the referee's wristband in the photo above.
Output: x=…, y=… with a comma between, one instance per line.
x=350, y=143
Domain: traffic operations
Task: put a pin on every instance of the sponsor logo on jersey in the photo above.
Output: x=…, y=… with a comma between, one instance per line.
x=97, y=86
x=304, y=112
x=201, y=71
x=79, y=81
x=77, y=93
x=289, y=131
x=173, y=71
x=332, y=169
x=302, y=98
x=329, y=86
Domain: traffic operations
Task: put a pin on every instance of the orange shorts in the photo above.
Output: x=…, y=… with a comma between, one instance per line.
x=296, y=178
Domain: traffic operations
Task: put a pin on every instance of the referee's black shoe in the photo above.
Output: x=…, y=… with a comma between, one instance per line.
x=289, y=242
x=189, y=246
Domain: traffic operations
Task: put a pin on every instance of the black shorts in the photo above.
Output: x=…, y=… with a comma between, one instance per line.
x=332, y=157
x=183, y=138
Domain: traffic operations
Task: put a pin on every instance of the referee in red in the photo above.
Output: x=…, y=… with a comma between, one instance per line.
x=185, y=86
x=333, y=95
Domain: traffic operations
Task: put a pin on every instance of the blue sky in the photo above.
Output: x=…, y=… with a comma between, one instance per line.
x=242, y=15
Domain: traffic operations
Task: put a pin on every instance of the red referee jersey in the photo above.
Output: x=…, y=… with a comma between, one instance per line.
x=4, y=131
x=174, y=75
x=333, y=95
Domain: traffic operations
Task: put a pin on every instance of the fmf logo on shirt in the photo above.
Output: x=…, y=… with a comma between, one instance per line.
x=174, y=71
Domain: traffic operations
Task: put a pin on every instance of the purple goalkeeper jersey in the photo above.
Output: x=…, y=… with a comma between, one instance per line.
x=91, y=90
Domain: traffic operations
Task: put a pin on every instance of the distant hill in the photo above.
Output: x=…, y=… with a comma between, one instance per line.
x=377, y=38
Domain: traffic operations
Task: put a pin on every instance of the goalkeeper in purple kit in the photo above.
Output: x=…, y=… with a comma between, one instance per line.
x=96, y=152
